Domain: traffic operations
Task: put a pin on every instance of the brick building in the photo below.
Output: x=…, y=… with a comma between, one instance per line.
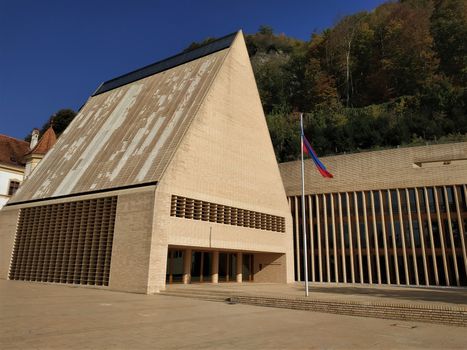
x=394, y=217
x=166, y=174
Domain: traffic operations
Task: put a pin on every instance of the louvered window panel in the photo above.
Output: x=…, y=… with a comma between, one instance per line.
x=65, y=243
x=196, y=209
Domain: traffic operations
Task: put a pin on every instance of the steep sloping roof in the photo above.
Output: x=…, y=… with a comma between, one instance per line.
x=12, y=150
x=45, y=143
x=126, y=135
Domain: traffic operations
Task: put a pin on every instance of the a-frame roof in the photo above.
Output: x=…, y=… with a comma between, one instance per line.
x=127, y=132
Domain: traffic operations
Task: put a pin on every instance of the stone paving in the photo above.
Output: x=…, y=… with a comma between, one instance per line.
x=407, y=295
x=433, y=305
x=40, y=316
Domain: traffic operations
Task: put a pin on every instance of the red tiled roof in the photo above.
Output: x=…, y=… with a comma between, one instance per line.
x=12, y=150
x=45, y=143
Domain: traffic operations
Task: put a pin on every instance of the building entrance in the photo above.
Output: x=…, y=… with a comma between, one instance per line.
x=227, y=267
x=191, y=266
x=174, y=272
x=201, y=266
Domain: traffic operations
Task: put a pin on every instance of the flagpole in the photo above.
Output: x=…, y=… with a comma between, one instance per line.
x=305, y=248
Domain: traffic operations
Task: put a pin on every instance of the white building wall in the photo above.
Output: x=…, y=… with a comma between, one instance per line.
x=6, y=175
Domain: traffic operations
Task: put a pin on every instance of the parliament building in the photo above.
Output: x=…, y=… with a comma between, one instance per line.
x=168, y=175
x=393, y=217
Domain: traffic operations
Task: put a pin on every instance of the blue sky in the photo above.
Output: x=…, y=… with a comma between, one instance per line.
x=54, y=54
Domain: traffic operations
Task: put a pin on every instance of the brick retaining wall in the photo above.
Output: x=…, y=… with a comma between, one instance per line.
x=419, y=313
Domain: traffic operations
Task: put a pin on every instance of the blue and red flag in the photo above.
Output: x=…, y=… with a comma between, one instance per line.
x=311, y=152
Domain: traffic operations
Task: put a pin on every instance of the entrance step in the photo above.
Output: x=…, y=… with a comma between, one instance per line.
x=210, y=295
x=386, y=309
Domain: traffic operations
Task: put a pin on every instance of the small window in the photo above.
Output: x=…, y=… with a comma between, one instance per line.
x=14, y=185
x=438, y=163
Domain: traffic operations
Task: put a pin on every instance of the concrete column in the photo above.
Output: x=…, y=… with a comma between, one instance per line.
x=239, y=267
x=404, y=249
x=375, y=233
x=393, y=233
x=215, y=267
x=430, y=231
x=441, y=236
x=341, y=228
x=297, y=240
x=367, y=238
x=412, y=240
x=326, y=239
x=318, y=234
x=349, y=226
x=358, y=237
x=461, y=229
x=334, y=235
x=453, y=247
x=187, y=266
x=312, y=243
x=385, y=245
x=422, y=237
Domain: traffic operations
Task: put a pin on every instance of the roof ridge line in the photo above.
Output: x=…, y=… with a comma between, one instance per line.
x=167, y=63
x=14, y=138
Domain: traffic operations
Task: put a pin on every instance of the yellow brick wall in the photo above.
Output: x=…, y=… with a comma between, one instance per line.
x=131, y=243
x=226, y=157
x=8, y=222
x=386, y=169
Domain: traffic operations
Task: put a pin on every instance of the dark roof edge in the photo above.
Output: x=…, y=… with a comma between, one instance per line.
x=104, y=190
x=167, y=63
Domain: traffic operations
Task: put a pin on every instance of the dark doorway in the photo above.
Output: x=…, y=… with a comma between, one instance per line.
x=227, y=267
x=247, y=268
x=174, y=272
x=201, y=267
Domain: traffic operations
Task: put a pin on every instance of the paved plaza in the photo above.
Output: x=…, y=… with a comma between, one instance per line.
x=358, y=293
x=39, y=316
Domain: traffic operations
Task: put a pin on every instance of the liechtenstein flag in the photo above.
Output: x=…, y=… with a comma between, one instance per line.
x=311, y=152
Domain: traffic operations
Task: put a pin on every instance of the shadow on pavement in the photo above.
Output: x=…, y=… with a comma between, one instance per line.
x=455, y=296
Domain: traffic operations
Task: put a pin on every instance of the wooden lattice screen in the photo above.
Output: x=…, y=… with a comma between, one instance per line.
x=65, y=243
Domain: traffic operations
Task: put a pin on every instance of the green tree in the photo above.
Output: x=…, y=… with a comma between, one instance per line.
x=449, y=30
x=59, y=121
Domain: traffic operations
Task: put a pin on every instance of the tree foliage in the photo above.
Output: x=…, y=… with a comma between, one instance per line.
x=59, y=121
x=394, y=76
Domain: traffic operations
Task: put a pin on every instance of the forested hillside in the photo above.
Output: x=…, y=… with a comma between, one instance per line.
x=391, y=77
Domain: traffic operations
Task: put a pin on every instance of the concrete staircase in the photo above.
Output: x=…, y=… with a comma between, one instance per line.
x=455, y=315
